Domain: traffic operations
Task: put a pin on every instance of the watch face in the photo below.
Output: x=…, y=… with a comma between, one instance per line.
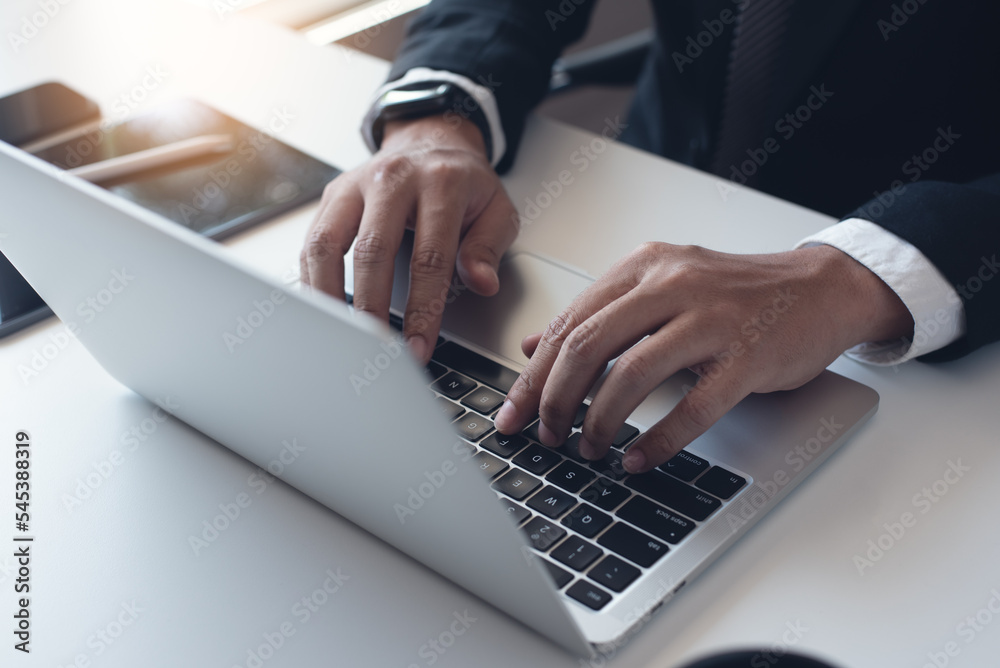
x=399, y=97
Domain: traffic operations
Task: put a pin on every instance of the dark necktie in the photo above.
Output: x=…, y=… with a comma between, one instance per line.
x=754, y=57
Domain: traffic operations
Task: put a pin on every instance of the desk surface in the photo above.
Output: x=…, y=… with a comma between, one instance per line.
x=118, y=492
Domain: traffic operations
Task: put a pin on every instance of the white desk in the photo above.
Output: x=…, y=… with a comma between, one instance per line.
x=129, y=540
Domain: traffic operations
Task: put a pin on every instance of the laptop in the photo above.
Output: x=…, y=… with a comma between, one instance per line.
x=578, y=551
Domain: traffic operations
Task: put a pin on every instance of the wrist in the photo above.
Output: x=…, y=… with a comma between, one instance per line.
x=874, y=311
x=438, y=130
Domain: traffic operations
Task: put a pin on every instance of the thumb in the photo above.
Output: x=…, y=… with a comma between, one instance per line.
x=485, y=242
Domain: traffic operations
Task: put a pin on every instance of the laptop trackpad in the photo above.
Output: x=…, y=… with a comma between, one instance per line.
x=533, y=290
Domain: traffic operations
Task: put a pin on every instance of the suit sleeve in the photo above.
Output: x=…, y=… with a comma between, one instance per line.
x=508, y=46
x=957, y=227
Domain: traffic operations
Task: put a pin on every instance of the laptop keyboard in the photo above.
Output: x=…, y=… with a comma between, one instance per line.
x=596, y=528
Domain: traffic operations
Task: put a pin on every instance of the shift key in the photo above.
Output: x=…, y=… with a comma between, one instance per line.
x=674, y=494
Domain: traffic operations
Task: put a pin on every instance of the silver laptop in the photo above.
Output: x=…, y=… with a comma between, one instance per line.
x=575, y=550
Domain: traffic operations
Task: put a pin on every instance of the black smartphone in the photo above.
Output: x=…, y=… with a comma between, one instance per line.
x=42, y=110
x=216, y=195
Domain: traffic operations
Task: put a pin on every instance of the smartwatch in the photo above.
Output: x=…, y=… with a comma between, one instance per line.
x=426, y=98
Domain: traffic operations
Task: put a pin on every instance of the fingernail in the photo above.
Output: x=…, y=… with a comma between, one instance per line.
x=418, y=346
x=634, y=460
x=587, y=449
x=505, y=418
x=547, y=436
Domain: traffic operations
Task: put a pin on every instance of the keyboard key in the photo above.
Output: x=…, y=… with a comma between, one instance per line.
x=517, y=484
x=634, y=545
x=605, y=494
x=610, y=466
x=483, y=400
x=551, y=501
x=586, y=520
x=655, y=519
x=674, y=494
x=472, y=426
x=571, y=477
x=475, y=365
x=576, y=553
x=542, y=533
x=624, y=435
x=516, y=512
x=489, y=464
x=453, y=385
x=503, y=445
x=537, y=458
x=531, y=431
x=435, y=370
x=685, y=466
x=581, y=413
x=590, y=595
x=450, y=409
x=614, y=573
x=560, y=577
x=721, y=482
x=571, y=448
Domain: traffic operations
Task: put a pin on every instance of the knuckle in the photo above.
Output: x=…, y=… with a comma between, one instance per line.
x=444, y=172
x=371, y=248
x=321, y=243
x=634, y=369
x=585, y=340
x=393, y=167
x=429, y=260
x=700, y=410
x=559, y=327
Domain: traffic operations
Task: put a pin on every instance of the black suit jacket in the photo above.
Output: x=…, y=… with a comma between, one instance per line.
x=907, y=137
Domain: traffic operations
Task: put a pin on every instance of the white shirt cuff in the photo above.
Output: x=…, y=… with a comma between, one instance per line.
x=482, y=94
x=938, y=314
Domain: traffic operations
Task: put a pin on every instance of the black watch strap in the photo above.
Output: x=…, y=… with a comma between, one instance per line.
x=426, y=98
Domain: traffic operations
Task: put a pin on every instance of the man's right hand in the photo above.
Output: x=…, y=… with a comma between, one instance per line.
x=431, y=175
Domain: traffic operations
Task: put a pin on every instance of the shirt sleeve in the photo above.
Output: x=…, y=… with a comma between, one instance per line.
x=937, y=310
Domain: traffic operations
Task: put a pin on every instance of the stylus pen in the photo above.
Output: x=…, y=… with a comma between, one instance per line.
x=161, y=156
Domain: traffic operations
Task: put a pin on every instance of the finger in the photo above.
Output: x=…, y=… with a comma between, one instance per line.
x=585, y=354
x=524, y=396
x=379, y=236
x=321, y=261
x=484, y=244
x=638, y=372
x=711, y=398
x=435, y=246
x=529, y=343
